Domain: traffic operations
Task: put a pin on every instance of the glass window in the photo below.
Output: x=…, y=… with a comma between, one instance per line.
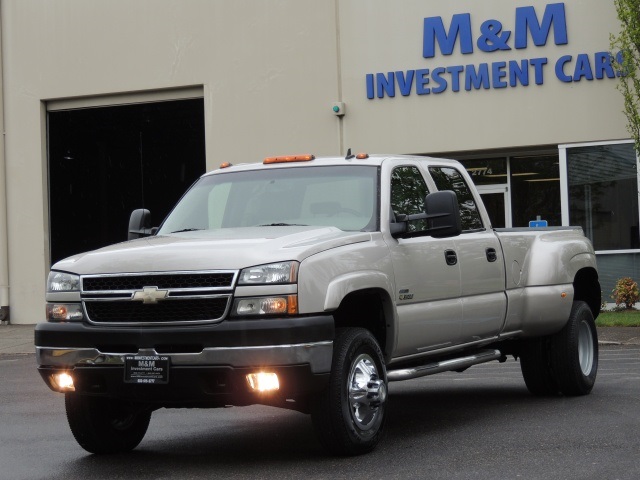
x=494, y=204
x=535, y=190
x=603, y=194
x=487, y=171
x=448, y=178
x=343, y=197
x=408, y=190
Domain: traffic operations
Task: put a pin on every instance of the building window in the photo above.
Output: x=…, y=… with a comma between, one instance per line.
x=535, y=190
x=603, y=194
x=519, y=189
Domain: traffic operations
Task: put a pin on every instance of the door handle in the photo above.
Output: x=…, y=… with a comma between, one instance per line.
x=492, y=256
x=451, y=257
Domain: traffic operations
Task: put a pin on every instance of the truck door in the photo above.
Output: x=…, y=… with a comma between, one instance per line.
x=481, y=263
x=427, y=280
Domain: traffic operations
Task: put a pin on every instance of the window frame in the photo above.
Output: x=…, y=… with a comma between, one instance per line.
x=564, y=183
x=473, y=191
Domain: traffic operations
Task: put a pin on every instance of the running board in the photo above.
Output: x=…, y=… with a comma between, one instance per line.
x=444, y=366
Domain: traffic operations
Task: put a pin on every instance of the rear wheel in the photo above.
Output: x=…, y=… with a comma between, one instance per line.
x=566, y=362
x=349, y=415
x=574, y=352
x=105, y=425
x=535, y=363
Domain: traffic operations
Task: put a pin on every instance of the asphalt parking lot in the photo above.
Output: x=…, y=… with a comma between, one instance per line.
x=480, y=424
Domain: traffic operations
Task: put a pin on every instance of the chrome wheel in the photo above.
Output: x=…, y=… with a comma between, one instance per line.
x=349, y=414
x=585, y=347
x=573, y=352
x=367, y=393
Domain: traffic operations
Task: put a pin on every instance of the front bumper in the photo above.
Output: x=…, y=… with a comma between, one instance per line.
x=317, y=355
x=208, y=363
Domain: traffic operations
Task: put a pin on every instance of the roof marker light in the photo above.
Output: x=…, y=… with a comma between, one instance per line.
x=362, y=156
x=226, y=165
x=288, y=159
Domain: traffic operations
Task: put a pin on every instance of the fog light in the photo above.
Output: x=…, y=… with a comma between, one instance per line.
x=63, y=382
x=263, y=381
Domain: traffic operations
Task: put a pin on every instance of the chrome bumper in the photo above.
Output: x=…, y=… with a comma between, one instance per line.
x=317, y=355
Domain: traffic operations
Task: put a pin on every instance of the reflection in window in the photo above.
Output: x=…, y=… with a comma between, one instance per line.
x=603, y=194
x=535, y=190
x=408, y=190
x=447, y=178
x=487, y=171
x=345, y=197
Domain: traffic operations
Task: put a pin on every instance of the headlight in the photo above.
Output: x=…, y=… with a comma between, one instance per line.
x=279, y=305
x=63, y=282
x=283, y=272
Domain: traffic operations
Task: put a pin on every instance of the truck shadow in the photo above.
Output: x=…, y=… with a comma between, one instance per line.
x=259, y=439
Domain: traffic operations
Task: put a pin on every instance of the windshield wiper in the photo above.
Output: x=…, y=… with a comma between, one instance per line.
x=187, y=230
x=283, y=225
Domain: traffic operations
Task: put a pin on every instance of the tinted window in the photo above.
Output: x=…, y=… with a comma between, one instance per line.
x=603, y=195
x=447, y=178
x=408, y=190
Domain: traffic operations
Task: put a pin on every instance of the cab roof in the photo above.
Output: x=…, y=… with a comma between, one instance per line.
x=307, y=160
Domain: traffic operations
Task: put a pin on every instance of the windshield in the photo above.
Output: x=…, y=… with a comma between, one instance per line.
x=345, y=197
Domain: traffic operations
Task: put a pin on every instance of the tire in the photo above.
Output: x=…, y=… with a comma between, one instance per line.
x=566, y=362
x=349, y=414
x=574, y=352
x=105, y=425
x=535, y=363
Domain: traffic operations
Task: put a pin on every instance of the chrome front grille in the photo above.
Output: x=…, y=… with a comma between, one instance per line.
x=157, y=298
x=186, y=280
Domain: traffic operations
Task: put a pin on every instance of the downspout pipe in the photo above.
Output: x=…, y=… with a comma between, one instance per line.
x=4, y=233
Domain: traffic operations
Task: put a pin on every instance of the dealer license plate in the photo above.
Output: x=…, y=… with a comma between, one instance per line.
x=146, y=369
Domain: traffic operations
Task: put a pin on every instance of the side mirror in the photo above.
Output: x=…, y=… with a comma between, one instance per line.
x=442, y=212
x=140, y=224
x=396, y=227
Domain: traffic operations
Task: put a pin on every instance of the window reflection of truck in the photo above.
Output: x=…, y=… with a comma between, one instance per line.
x=310, y=284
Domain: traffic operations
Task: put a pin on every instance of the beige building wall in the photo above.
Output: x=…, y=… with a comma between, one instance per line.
x=378, y=36
x=269, y=72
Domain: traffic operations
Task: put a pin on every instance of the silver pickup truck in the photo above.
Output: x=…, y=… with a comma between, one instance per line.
x=310, y=284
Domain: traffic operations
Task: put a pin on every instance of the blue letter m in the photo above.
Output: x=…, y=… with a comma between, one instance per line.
x=527, y=21
x=434, y=32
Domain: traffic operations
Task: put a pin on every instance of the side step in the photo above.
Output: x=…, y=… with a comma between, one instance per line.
x=444, y=366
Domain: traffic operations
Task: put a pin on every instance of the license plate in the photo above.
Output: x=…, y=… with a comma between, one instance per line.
x=146, y=369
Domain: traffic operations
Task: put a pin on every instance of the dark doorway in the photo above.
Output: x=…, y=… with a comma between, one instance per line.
x=494, y=203
x=105, y=162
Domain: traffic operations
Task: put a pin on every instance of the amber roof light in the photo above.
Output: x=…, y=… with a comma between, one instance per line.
x=288, y=159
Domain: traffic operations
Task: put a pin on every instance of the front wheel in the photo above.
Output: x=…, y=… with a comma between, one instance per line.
x=349, y=415
x=105, y=425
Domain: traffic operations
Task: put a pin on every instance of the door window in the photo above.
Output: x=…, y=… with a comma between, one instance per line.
x=448, y=178
x=408, y=190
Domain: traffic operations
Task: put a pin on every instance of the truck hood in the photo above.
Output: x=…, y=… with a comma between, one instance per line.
x=223, y=249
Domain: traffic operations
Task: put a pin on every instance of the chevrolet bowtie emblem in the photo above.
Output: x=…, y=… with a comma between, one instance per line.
x=150, y=295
